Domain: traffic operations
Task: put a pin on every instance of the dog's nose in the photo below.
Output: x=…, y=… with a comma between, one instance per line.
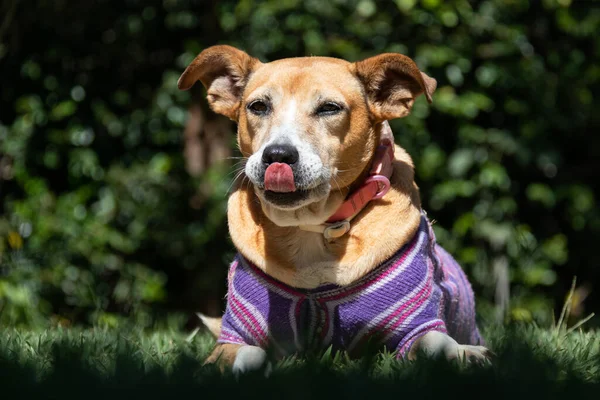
x=282, y=153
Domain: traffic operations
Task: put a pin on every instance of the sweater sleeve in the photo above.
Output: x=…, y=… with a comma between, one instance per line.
x=243, y=322
x=428, y=309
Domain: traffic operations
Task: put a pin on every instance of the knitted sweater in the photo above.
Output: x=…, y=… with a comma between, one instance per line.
x=420, y=289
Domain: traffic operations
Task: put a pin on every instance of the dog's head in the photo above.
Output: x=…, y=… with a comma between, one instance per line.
x=308, y=126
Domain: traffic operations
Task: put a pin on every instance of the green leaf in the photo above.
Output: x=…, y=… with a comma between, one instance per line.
x=63, y=110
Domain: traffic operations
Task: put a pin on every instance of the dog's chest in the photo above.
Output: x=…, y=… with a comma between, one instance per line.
x=421, y=288
x=383, y=307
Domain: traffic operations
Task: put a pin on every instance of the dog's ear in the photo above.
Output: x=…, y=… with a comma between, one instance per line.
x=224, y=72
x=392, y=83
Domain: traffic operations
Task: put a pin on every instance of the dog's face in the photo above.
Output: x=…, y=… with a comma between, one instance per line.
x=308, y=126
x=300, y=113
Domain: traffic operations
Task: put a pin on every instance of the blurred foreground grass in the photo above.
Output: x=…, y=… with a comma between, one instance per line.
x=65, y=363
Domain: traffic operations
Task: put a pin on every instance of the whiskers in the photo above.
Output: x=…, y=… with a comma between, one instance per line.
x=336, y=182
x=239, y=170
x=337, y=174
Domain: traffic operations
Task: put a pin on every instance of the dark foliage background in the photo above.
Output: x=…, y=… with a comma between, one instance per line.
x=113, y=184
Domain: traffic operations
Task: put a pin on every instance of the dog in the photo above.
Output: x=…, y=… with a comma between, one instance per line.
x=333, y=246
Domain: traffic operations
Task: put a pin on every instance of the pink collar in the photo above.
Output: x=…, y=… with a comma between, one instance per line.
x=374, y=187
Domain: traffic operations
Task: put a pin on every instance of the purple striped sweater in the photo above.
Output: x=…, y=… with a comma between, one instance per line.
x=420, y=289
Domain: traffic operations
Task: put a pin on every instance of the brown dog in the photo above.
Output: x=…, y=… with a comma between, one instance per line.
x=312, y=130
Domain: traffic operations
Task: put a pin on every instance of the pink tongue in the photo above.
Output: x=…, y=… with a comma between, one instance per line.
x=279, y=177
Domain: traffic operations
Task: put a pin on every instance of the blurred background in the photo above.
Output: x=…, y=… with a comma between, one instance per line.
x=113, y=184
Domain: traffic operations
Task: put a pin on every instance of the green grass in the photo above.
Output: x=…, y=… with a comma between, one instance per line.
x=83, y=364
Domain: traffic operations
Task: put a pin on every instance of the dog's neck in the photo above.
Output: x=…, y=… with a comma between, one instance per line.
x=304, y=259
x=374, y=187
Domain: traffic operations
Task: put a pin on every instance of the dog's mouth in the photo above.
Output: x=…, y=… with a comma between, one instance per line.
x=282, y=187
x=288, y=186
x=293, y=200
x=287, y=199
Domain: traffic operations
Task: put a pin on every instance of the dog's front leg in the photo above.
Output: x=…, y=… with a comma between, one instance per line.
x=241, y=358
x=439, y=344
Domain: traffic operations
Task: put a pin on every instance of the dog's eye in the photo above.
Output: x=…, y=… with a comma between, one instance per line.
x=329, y=109
x=258, y=107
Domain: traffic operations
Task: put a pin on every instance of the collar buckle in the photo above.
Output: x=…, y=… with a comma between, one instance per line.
x=336, y=230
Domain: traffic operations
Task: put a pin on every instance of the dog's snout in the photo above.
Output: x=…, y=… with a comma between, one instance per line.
x=282, y=153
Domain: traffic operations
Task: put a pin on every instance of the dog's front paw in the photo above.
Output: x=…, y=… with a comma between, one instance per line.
x=439, y=344
x=471, y=354
x=250, y=358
